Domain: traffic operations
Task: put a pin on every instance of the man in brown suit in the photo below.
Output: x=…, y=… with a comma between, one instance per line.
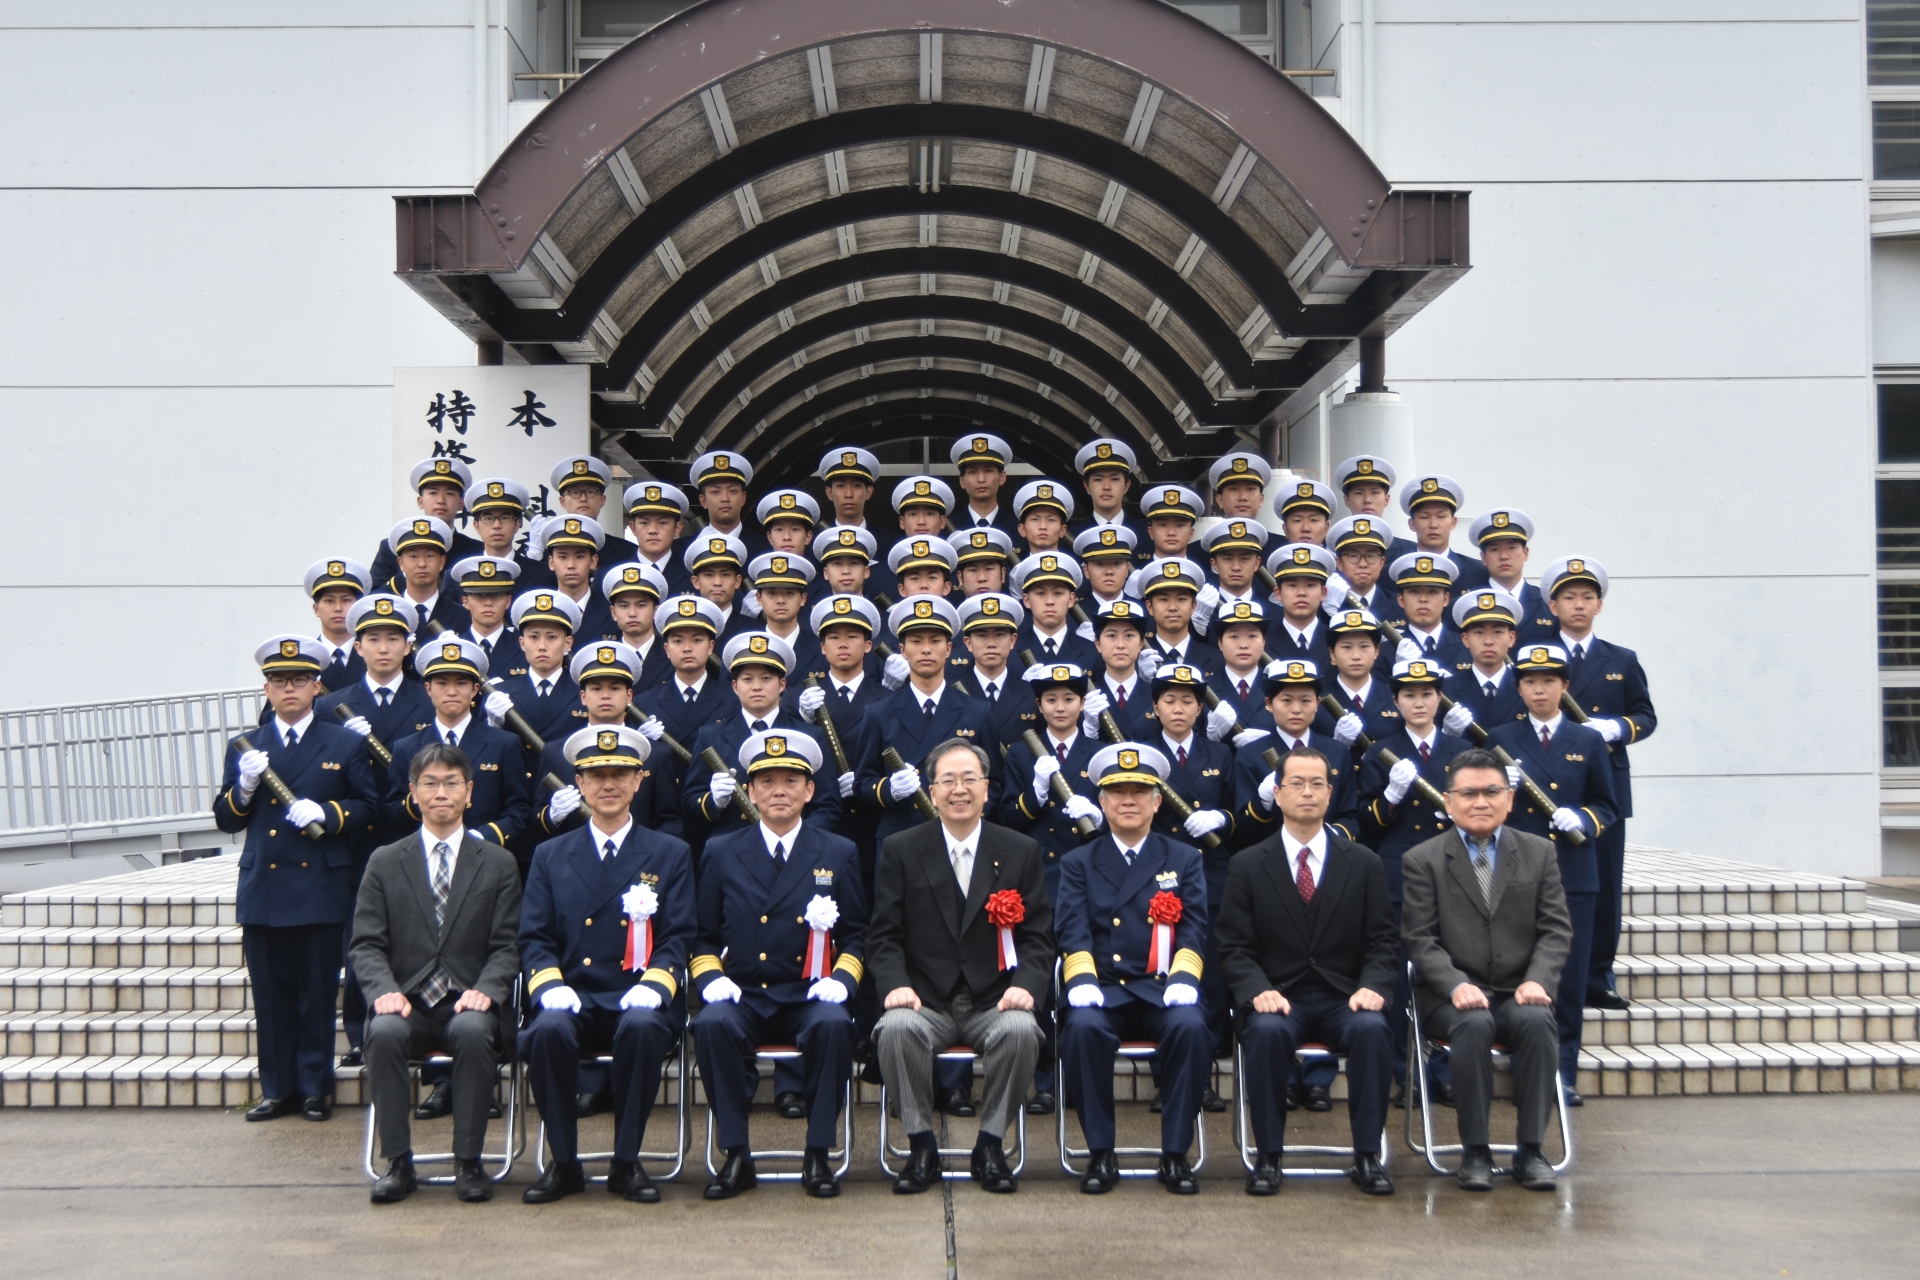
x=1485, y=923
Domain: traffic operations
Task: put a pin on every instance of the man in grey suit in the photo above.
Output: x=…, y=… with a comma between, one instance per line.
x=434, y=946
x=1486, y=925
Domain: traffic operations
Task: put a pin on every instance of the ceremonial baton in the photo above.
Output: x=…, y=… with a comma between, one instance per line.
x=281, y=791
x=375, y=747
x=827, y=726
x=1427, y=790
x=1057, y=783
x=746, y=807
x=921, y=800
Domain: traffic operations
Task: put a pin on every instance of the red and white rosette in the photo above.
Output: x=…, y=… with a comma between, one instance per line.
x=821, y=915
x=639, y=902
x=1163, y=912
x=1005, y=909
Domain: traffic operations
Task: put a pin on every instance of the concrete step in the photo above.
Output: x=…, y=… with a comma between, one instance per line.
x=189, y=893
x=1745, y=933
x=1825, y=1066
x=161, y=1033
x=120, y=946
x=1758, y=1020
x=1665, y=882
x=202, y=989
x=1770, y=974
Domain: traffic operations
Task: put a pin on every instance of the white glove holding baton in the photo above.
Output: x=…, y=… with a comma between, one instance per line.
x=253, y=767
x=896, y=671
x=303, y=813
x=498, y=704
x=360, y=725
x=721, y=787
x=1457, y=721
x=1043, y=770
x=1078, y=807
x=902, y=783
x=562, y=805
x=1347, y=728
x=1566, y=820
x=1400, y=780
x=1221, y=721
x=811, y=700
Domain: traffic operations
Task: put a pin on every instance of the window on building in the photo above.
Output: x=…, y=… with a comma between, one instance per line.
x=1893, y=80
x=601, y=26
x=1893, y=42
x=1897, y=520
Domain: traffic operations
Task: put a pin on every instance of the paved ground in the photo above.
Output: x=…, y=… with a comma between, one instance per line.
x=1737, y=1186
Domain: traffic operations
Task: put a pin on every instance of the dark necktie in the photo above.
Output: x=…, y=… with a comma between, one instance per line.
x=690, y=694
x=993, y=692
x=1049, y=646
x=759, y=726
x=607, y=850
x=546, y=687
x=1359, y=705
x=293, y=739
x=1304, y=881
x=1060, y=750
x=339, y=657
x=453, y=739
x=779, y=851
x=422, y=611
x=1431, y=647
x=1579, y=652
x=385, y=696
x=1426, y=753
x=486, y=647
x=1546, y=739
x=1120, y=695
x=1180, y=754
x=1128, y=854
x=929, y=707
x=1483, y=872
x=1245, y=692
x=438, y=985
x=1491, y=689
x=846, y=694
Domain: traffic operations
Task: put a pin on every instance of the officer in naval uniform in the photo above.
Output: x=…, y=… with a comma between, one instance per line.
x=486, y=585
x=1503, y=536
x=334, y=586
x=720, y=478
x=454, y=672
x=439, y=486
x=656, y=517
x=1106, y=470
x=580, y=482
x=421, y=550
x=982, y=460
x=636, y=585
x=1366, y=483
x=545, y=695
x=605, y=674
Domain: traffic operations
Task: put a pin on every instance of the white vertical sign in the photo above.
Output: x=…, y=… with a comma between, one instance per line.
x=514, y=421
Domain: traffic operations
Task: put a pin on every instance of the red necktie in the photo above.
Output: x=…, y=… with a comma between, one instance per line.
x=1120, y=695
x=1060, y=749
x=1546, y=739
x=1304, y=881
x=1426, y=753
x=1359, y=707
x=1180, y=753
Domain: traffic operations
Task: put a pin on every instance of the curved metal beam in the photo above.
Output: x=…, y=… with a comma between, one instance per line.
x=1069, y=291
x=865, y=426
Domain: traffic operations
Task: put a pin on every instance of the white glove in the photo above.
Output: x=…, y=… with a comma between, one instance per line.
x=302, y=812
x=1338, y=589
x=828, y=991
x=1513, y=776
x=1267, y=786
x=721, y=988
x=846, y=785
x=1408, y=650
x=1204, y=821
x=1091, y=710
x=902, y=783
x=1608, y=729
x=362, y=726
x=1085, y=631
x=498, y=704
x=1245, y=736
x=651, y=728
x=640, y=995
x=1456, y=721
x=1221, y=721
x=1087, y=995
x=751, y=605
x=1347, y=728
x=721, y=787
x=253, y=765
x=562, y=805
x=1180, y=993
x=1204, y=605
x=1400, y=780
x=1565, y=819
x=1078, y=807
x=1148, y=663
x=560, y=997
x=895, y=673
x=1043, y=769
x=811, y=700
x=477, y=836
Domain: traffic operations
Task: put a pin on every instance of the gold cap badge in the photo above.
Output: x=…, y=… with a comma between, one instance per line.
x=289, y=648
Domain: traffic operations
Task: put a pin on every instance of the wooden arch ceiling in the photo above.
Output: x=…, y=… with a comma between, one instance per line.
x=772, y=227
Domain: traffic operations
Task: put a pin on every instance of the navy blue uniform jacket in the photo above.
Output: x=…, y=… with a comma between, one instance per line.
x=1610, y=682
x=285, y=878
x=1575, y=773
x=1102, y=913
x=502, y=805
x=1253, y=823
x=573, y=926
x=898, y=721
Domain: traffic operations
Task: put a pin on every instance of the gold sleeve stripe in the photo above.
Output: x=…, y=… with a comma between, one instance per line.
x=852, y=966
x=343, y=815
x=1591, y=818
x=701, y=966
x=237, y=810
x=499, y=836
x=1079, y=964
x=662, y=978
x=1186, y=960
x=542, y=978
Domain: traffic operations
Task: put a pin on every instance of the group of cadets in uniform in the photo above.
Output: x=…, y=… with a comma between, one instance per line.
x=817, y=660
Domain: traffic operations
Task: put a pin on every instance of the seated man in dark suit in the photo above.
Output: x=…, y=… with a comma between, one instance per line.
x=1486, y=925
x=954, y=971
x=790, y=893
x=1306, y=939
x=433, y=945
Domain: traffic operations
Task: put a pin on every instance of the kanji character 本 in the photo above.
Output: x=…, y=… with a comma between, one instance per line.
x=528, y=415
x=455, y=413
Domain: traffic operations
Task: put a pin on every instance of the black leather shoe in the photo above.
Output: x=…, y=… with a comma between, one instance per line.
x=591, y=1104
x=1157, y=1105
x=790, y=1106
x=870, y=1072
x=1176, y=1175
x=1369, y=1176
x=816, y=1174
x=1293, y=1097
x=470, y=1182
x=1607, y=1000
x=1441, y=1091
x=272, y=1108
x=990, y=1169
x=625, y=1178
x=1042, y=1104
x=735, y=1176
x=922, y=1171
x=1211, y=1101
x=317, y=1109
x=1317, y=1098
x=397, y=1183
x=436, y=1104
x=353, y=1058
x=1400, y=1095
x=1102, y=1175
x=1265, y=1178
x=1574, y=1099
x=562, y=1178
x=1532, y=1170
x=1476, y=1170
x=956, y=1102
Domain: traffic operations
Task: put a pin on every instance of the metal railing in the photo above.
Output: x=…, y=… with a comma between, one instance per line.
x=107, y=764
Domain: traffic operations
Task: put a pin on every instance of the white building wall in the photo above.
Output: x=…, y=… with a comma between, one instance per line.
x=1663, y=341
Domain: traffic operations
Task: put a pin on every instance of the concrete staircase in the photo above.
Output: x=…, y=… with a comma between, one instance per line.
x=132, y=990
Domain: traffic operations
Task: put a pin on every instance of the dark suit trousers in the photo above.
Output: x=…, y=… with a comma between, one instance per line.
x=1611, y=851
x=1090, y=1041
x=295, y=971
x=725, y=1034
x=1268, y=1042
x=1531, y=1037
x=1570, y=1001
x=472, y=1039
x=639, y=1040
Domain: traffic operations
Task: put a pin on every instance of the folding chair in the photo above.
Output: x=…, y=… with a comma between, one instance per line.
x=1243, y=1124
x=677, y=1071
x=1419, y=1046
x=513, y=1118
x=773, y=1053
x=956, y=1053
x=1133, y=1051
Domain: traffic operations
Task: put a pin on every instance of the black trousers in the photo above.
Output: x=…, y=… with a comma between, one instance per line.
x=725, y=1034
x=639, y=1040
x=1570, y=1001
x=1090, y=1041
x=473, y=1040
x=1531, y=1036
x=295, y=971
x=1268, y=1042
x=1611, y=852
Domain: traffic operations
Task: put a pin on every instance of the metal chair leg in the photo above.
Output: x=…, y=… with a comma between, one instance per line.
x=888, y=1151
x=1133, y=1052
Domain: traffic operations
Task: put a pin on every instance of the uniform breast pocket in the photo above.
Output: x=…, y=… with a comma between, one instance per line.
x=339, y=857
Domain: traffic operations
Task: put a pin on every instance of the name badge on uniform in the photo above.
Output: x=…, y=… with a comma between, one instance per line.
x=823, y=876
x=648, y=877
x=1576, y=759
x=1616, y=675
x=1209, y=773
x=1167, y=879
x=494, y=768
x=329, y=764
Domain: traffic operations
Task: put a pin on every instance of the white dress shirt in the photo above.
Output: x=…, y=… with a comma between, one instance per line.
x=458, y=728
x=392, y=687
x=921, y=697
x=1552, y=726
x=700, y=682
x=1316, y=854
x=786, y=842
x=1585, y=642
x=600, y=837
x=961, y=853
x=301, y=727
x=428, y=840
x=1059, y=639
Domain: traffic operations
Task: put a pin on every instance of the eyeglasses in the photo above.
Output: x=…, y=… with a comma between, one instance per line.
x=1470, y=794
x=1312, y=786
x=439, y=784
x=290, y=682
x=968, y=780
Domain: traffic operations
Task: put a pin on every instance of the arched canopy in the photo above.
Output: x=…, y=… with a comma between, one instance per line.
x=1101, y=216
